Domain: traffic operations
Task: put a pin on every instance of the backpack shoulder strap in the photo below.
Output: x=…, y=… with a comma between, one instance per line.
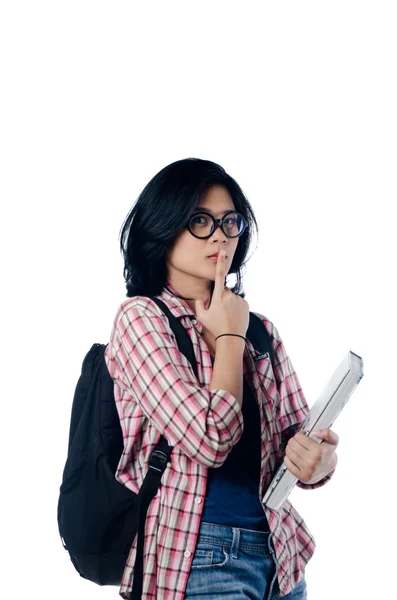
x=182, y=337
x=259, y=336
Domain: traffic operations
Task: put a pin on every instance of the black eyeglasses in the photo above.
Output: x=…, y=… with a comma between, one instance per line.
x=202, y=225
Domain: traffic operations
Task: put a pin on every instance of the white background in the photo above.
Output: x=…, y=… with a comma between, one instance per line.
x=297, y=101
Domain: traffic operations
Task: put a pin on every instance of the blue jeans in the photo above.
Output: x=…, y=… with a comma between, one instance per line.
x=231, y=563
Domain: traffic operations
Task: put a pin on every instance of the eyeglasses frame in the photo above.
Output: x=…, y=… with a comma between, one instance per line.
x=217, y=223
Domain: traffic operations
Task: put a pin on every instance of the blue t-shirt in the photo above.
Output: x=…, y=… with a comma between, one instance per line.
x=232, y=496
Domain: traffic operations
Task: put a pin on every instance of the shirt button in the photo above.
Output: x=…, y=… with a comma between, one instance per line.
x=187, y=553
x=197, y=500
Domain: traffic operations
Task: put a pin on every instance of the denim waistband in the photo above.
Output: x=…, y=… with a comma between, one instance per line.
x=236, y=537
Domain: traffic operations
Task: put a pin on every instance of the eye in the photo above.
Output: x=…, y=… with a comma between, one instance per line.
x=200, y=220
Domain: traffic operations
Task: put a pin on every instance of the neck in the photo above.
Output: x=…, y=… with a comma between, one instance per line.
x=191, y=291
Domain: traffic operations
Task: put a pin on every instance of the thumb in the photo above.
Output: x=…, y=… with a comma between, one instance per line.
x=327, y=435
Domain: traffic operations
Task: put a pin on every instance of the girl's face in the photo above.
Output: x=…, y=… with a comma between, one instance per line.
x=190, y=270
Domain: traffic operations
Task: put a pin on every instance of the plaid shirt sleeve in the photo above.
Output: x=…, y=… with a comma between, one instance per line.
x=293, y=407
x=161, y=384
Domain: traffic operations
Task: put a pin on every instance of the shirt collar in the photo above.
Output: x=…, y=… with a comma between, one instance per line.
x=179, y=307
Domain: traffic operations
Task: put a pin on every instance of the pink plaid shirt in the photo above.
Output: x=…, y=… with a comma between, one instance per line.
x=157, y=393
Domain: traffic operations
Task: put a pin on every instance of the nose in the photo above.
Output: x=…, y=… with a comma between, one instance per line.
x=217, y=231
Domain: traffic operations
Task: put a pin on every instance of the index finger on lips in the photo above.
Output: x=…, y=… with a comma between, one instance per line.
x=219, y=276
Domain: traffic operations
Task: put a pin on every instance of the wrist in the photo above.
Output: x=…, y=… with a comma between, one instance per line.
x=230, y=336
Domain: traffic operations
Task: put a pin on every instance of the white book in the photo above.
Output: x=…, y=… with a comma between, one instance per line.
x=322, y=415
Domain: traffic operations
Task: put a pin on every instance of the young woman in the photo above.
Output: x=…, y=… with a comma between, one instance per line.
x=208, y=534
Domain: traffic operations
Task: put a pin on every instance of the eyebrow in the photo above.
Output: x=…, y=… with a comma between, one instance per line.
x=208, y=210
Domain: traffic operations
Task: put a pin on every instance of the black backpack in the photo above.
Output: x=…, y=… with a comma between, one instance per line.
x=98, y=517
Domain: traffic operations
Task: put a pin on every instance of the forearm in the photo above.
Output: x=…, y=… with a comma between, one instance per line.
x=228, y=366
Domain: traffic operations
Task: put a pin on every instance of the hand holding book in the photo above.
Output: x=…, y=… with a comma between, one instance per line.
x=311, y=461
x=310, y=453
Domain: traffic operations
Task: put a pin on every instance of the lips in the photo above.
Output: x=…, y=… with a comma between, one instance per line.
x=213, y=256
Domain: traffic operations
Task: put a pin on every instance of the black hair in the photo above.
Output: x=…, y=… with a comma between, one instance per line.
x=174, y=193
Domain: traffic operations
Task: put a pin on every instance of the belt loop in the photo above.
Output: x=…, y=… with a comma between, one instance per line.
x=236, y=541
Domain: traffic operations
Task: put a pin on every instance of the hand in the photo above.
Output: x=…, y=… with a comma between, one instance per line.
x=228, y=312
x=309, y=460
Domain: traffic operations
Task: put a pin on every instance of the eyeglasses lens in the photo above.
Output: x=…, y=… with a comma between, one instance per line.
x=202, y=225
